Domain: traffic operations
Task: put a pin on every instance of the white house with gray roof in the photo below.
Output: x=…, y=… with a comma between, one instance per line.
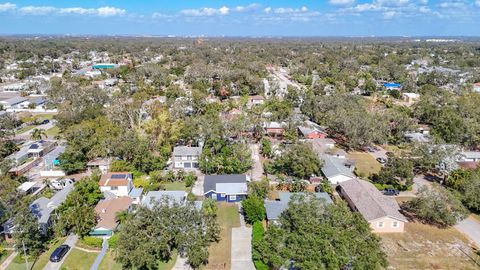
x=382, y=212
x=186, y=157
x=173, y=196
x=337, y=169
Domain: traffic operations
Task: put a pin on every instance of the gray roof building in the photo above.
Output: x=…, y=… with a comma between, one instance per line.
x=334, y=166
x=365, y=198
x=418, y=137
x=275, y=208
x=158, y=196
x=13, y=101
x=226, y=183
x=135, y=193
x=187, y=151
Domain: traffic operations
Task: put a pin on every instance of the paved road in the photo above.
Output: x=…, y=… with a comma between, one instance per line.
x=100, y=256
x=241, y=251
x=181, y=264
x=418, y=182
x=71, y=241
x=8, y=260
x=470, y=227
x=257, y=171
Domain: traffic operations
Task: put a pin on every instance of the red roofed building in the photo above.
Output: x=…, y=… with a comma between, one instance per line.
x=116, y=183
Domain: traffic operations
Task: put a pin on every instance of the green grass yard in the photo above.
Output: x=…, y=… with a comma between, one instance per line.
x=52, y=132
x=228, y=218
x=79, y=260
x=175, y=186
x=365, y=164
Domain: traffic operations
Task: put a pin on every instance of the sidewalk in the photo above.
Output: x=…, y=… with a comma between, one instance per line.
x=100, y=256
x=8, y=260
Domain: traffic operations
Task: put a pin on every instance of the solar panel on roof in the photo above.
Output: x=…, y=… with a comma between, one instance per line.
x=34, y=146
x=118, y=176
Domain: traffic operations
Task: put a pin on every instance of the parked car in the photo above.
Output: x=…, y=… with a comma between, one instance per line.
x=391, y=192
x=59, y=253
x=382, y=160
x=46, y=121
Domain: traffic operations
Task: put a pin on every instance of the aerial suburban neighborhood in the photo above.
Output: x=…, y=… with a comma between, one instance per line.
x=198, y=152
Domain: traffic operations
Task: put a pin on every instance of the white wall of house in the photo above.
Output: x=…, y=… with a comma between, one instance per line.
x=185, y=162
x=118, y=191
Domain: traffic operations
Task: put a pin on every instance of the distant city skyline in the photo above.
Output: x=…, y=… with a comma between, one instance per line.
x=242, y=18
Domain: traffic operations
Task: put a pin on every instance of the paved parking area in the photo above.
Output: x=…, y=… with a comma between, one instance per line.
x=242, y=249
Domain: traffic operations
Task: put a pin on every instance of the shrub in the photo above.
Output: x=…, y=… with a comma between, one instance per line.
x=94, y=242
x=112, y=241
x=254, y=209
x=257, y=238
x=121, y=166
x=190, y=179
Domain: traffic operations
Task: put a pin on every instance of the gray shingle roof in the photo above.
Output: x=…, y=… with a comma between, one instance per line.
x=14, y=100
x=211, y=181
x=187, y=151
x=275, y=208
x=135, y=192
x=334, y=166
x=43, y=207
x=153, y=196
x=369, y=201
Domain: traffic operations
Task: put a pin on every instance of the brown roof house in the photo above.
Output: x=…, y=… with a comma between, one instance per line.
x=382, y=212
x=107, y=211
x=116, y=183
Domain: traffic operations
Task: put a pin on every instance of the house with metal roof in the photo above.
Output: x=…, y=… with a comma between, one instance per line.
x=382, y=212
x=43, y=208
x=136, y=195
x=13, y=103
x=226, y=187
x=172, y=196
x=337, y=169
x=274, y=208
x=186, y=157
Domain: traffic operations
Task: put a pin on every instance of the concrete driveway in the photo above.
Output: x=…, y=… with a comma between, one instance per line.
x=256, y=173
x=470, y=227
x=71, y=241
x=241, y=250
x=197, y=188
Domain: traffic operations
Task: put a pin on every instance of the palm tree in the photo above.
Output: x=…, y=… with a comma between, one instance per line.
x=37, y=134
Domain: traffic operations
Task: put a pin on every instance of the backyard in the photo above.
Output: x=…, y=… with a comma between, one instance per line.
x=365, y=164
x=426, y=247
x=220, y=252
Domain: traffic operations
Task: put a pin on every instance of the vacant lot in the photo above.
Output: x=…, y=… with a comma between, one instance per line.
x=427, y=247
x=79, y=260
x=220, y=252
x=365, y=163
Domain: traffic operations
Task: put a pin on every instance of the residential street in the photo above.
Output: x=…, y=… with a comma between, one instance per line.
x=242, y=246
x=470, y=227
x=256, y=173
x=71, y=241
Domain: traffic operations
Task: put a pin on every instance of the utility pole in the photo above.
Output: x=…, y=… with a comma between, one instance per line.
x=25, y=256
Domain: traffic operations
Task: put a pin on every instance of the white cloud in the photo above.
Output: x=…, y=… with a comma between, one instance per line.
x=341, y=2
x=110, y=11
x=390, y=3
x=268, y=10
x=46, y=10
x=7, y=7
x=452, y=4
x=477, y=3
x=37, y=10
x=249, y=8
x=282, y=10
x=206, y=12
x=389, y=14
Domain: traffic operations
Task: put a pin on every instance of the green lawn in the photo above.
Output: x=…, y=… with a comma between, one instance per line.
x=175, y=186
x=108, y=262
x=42, y=260
x=5, y=255
x=79, y=260
x=228, y=218
x=24, y=129
x=17, y=264
x=52, y=132
x=365, y=164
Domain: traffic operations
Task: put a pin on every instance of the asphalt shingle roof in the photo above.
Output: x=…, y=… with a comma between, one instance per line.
x=211, y=181
x=334, y=166
x=369, y=201
x=187, y=151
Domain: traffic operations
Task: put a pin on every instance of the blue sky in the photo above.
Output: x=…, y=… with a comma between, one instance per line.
x=243, y=18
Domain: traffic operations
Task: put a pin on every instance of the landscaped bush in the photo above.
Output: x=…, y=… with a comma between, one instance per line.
x=257, y=237
x=112, y=241
x=254, y=209
x=94, y=242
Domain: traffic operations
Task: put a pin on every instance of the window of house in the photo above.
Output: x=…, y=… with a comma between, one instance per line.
x=380, y=224
x=233, y=197
x=395, y=224
x=214, y=196
x=189, y=157
x=222, y=195
x=114, y=188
